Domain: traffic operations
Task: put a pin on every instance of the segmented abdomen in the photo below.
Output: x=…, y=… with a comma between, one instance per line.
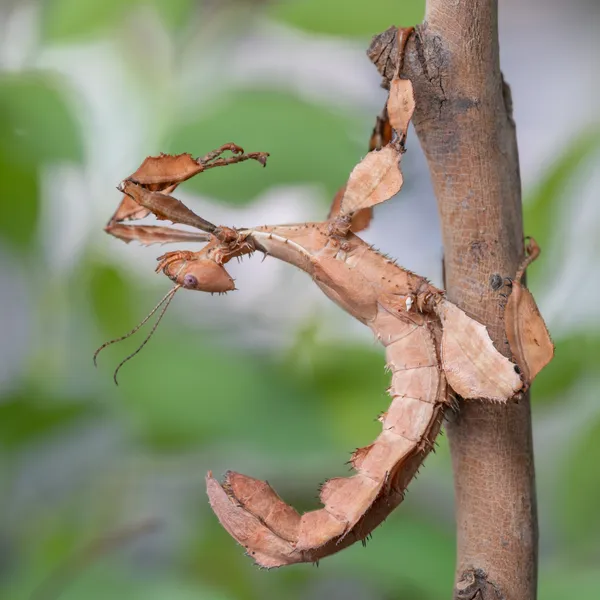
x=274, y=534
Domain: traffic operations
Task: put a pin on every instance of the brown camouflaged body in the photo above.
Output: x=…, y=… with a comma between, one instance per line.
x=272, y=532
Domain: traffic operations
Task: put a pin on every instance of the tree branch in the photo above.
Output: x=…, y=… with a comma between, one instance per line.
x=464, y=123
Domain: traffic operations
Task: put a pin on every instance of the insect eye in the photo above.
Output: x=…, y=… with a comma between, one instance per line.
x=190, y=281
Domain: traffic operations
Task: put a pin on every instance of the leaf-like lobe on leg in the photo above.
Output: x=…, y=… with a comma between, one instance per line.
x=157, y=173
x=526, y=331
x=401, y=105
x=375, y=179
x=161, y=173
x=378, y=176
x=473, y=366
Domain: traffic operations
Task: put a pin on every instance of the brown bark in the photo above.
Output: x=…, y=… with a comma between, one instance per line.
x=464, y=124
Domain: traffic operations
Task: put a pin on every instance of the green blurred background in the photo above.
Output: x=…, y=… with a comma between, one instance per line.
x=102, y=488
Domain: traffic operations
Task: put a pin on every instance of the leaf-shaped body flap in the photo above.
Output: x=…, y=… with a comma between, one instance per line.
x=526, y=331
x=473, y=366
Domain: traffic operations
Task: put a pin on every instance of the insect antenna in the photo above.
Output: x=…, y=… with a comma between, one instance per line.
x=166, y=298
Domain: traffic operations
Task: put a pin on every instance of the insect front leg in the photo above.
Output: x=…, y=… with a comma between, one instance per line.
x=153, y=234
x=212, y=159
x=169, y=258
x=165, y=207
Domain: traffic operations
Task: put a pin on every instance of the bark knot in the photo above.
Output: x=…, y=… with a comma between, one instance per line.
x=474, y=585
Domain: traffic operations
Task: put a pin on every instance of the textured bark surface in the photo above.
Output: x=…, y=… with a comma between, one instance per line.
x=464, y=124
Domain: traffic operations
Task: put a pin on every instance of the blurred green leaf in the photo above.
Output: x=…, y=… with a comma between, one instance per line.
x=25, y=418
x=183, y=392
x=352, y=382
x=111, y=296
x=103, y=582
x=19, y=202
x=35, y=122
x=577, y=356
x=70, y=20
x=542, y=207
x=222, y=563
x=348, y=17
x=408, y=556
x=73, y=20
x=103, y=579
x=580, y=491
x=173, y=13
x=562, y=582
x=307, y=143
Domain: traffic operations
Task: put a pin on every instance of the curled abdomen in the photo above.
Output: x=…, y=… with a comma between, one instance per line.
x=274, y=534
